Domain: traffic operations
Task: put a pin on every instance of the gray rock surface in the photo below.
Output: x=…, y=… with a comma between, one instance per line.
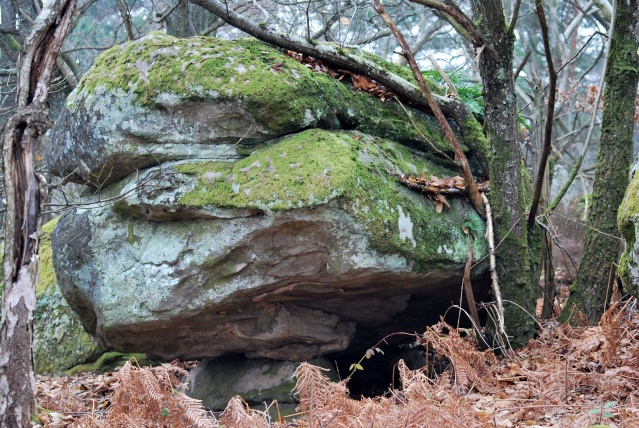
x=288, y=284
x=215, y=381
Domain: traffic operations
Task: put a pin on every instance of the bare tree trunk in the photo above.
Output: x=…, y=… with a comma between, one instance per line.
x=592, y=289
x=20, y=264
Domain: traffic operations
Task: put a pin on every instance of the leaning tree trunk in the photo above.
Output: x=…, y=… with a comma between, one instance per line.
x=508, y=194
x=597, y=269
x=20, y=264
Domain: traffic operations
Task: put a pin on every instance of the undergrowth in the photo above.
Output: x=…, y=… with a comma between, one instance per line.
x=567, y=377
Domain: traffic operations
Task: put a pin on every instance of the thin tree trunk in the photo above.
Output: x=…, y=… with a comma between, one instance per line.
x=507, y=186
x=592, y=289
x=177, y=24
x=20, y=264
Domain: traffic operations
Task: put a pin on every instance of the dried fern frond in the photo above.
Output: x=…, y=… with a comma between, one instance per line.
x=239, y=415
x=148, y=398
x=470, y=365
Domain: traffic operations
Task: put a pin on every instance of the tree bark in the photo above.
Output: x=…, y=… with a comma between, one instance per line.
x=177, y=23
x=508, y=193
x=20, y=264
x=591, y=291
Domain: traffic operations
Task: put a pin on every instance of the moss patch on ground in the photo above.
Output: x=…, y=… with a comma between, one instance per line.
x=109, y=361
x=315, y=167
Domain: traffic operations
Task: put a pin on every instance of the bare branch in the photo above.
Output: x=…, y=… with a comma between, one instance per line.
x=455, y=13
x=168, y=12
x=605, y=7
x=126, y=18
x=82, y=48
x=490, y=237
x=513, y=21
x=442, y=73
x=339, y=58
x=213, y=27
x=9, y=30
x=575, y=169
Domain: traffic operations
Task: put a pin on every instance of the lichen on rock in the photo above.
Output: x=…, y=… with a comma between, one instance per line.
x=256, y=208
x=313, y=167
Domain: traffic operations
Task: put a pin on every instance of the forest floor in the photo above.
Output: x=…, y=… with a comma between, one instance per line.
x=565, y=377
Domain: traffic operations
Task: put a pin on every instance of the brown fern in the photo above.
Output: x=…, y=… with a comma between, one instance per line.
x=471, y=366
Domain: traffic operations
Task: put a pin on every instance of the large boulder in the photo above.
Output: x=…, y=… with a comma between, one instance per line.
x=271, y=228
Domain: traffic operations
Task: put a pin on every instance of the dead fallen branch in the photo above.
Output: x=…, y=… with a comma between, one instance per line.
x=435, y=188
x=450, y=186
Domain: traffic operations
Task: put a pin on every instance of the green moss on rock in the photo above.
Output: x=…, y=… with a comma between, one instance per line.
x=316, y=167
x=627, y=222
x=60, y=341
x=278, y=91
x=108, y=361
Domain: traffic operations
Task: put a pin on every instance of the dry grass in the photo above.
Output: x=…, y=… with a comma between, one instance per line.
x=567, y=377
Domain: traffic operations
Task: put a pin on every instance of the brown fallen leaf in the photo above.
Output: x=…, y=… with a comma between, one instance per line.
x=440, y=201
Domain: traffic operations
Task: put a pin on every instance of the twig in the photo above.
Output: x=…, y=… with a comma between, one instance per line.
x=454, y=13
x=421, y=134
x=442, y=73
x=427, y=186
x=339, y=59
x=217, y=24
x=470, y=298
x=493, y=264
x=473, y=193
x=168, y=12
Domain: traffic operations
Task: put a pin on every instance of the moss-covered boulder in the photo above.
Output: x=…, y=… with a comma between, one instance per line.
x=160, y=98
x=306, y=240
x=628, y=221
x=60, y=342
x=254, y=207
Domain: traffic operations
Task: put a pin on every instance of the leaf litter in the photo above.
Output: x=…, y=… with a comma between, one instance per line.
x=566, y=377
